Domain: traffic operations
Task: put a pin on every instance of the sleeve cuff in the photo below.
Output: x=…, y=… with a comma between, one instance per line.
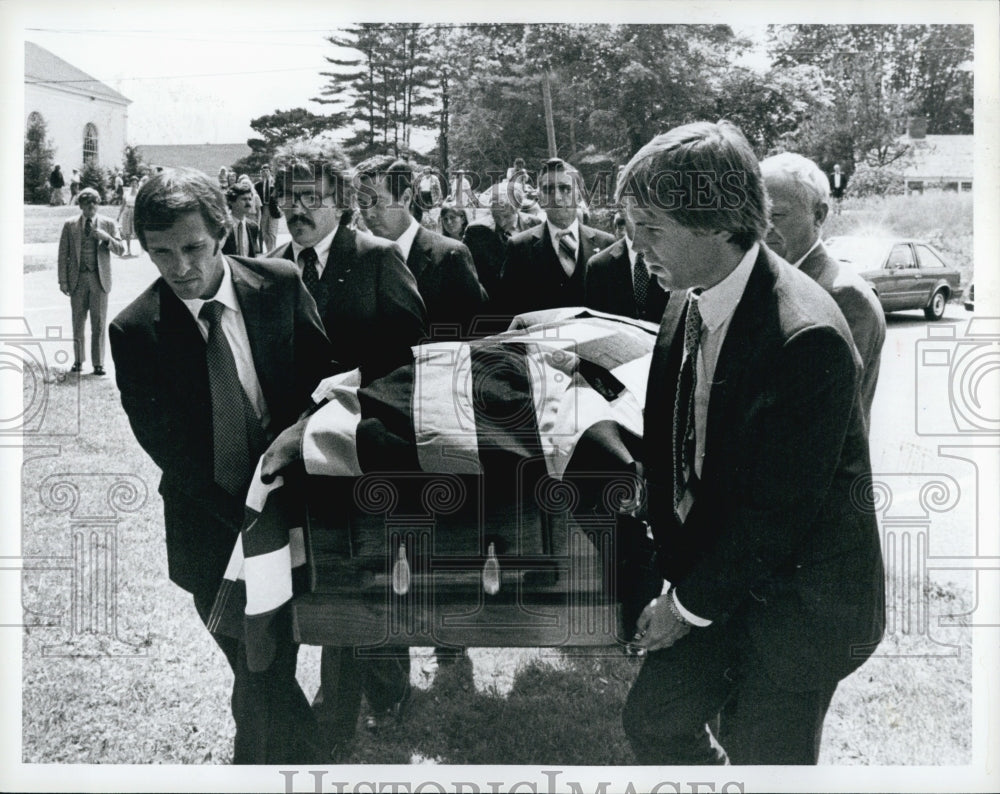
x=690, y=617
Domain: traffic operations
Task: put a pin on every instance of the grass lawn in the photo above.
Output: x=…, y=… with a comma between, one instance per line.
x=164, y=697
x=155, y=688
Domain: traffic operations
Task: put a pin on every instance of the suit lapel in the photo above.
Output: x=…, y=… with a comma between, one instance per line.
x=737, y=348
x=419, y=256
x=620, y=282
x=182, y=351
x=264, y=320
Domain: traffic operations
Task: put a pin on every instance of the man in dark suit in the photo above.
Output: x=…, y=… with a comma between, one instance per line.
x=618, y=282
x=443, y=268
x=244, y=237
x=800, y=202
x=487, y=237
x=213, y=360
x=757, y=467
x=838, y=184
x=373, y=314
x=270, y=212
x=366, y=296
x=84, y=267
x=544, y=266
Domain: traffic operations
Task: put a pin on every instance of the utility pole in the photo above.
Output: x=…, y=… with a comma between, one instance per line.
x=550, y=127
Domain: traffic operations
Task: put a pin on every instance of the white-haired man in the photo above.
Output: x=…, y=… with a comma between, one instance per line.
x=800, y=201
x=755, y=451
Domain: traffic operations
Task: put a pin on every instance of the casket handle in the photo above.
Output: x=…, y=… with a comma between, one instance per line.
x=401, y=572
x=491, y=572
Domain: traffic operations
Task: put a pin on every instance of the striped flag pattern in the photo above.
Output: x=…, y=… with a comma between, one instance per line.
x=566, y=385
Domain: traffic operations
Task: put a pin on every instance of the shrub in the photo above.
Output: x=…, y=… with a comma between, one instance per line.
x=875, y=181
x=93, y=176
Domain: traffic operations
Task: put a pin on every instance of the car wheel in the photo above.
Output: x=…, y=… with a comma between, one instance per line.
x=935, y=309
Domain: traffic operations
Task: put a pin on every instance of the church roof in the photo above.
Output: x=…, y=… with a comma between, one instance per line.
x=42, y=67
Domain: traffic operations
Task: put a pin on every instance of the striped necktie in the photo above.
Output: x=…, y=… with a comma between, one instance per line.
x=685, y=478
x=567, y=250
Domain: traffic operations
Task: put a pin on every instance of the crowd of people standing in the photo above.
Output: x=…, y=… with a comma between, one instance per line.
x=756, y=415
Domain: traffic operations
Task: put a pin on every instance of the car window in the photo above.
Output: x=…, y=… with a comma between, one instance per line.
x=861, y=254
x=928, y=258
x=901, y=256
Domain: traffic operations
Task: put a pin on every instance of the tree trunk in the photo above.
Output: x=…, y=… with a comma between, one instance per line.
x=550, y=127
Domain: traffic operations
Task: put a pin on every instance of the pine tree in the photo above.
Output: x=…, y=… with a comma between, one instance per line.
x=38, y=155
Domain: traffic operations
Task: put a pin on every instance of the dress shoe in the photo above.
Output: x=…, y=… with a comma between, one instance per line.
x=77, y=366
x=98, y=370
x=393, y=715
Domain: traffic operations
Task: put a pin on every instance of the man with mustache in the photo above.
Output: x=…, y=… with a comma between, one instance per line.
x=373, y=313
x=366, y=296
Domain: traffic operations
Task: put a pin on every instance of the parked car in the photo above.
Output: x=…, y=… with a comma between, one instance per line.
x=905, y=273
x=970, y=297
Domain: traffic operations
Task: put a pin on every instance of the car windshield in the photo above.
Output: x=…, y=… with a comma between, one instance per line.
x=859, y=253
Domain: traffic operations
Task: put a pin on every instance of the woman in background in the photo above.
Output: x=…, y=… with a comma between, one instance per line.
x=454, y=221
x=126, y=213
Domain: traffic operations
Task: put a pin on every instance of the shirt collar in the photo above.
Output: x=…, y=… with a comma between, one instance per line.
x=573, y=227
x=717, y=304
x=805, y=256
x=225, y=294
x=405, y=240
x=322, y=248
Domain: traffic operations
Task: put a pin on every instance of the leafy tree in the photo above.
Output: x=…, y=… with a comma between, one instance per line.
x=132, y=162
x=38, y=155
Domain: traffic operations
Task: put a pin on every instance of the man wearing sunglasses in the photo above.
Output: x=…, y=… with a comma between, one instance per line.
x=366, y=296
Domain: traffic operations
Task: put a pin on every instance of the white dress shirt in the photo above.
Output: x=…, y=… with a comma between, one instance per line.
x=322, y=249
x=405, y=241
x=716, y=306
x=239, y=342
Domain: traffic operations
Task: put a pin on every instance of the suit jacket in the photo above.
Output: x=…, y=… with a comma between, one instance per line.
x=447, y=281
x=781, y=540
x=268, y=198
x=368, y=301
x=608, y=286
x=253, y=237
x=162, y=375
x=489, y=248
x=861, y=309
x=69, y=251
x=838, y=192
x=533, y=278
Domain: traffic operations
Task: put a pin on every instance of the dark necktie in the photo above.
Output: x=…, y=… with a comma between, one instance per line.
x=640, y=282
x=88, y=227
x=235, y=428
x=310, y=275
x=684, y=427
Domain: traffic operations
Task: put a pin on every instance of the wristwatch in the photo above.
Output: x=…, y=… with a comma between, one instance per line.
x=672, y=604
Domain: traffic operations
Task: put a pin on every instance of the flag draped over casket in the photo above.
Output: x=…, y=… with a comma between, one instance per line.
x=564, y=385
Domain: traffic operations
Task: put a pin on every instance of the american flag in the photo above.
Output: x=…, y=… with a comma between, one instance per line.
x=567, y=385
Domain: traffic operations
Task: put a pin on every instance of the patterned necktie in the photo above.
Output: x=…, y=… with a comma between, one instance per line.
x=640, y=282
x=88, y=227
x=310, y=275
x=231, y=408
x=684, y=428
x=567, y=250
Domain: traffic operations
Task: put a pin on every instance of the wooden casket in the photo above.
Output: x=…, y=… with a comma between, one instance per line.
x=446, y=559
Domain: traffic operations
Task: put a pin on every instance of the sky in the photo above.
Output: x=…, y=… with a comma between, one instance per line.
x=202, y=76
